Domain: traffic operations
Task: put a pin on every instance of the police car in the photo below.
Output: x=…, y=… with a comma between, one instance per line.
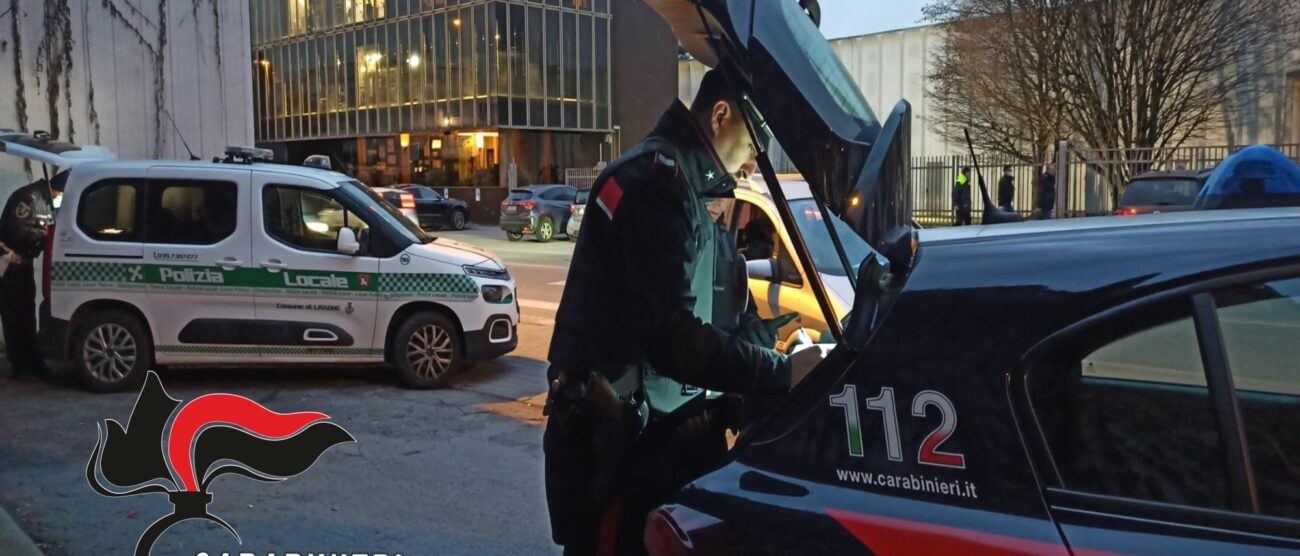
x=1075, y=387
x=243, y=262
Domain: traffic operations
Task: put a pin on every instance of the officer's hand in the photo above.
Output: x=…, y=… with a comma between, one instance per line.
x=804, y=360
x=763, y=333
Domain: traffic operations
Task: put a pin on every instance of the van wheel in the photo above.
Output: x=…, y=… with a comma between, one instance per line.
x=427, y=350
x=514, y=236
x=545, y=230
x=113, y=352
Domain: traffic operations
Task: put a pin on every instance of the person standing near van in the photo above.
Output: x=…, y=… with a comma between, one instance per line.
x=1007, y=189
x=1047, y=192
x=961, y=198
x=27, y=213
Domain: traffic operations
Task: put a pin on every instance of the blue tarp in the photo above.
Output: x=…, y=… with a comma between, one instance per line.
x=1256, y=176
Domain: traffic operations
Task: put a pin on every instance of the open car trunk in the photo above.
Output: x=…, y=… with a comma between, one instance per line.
x=796, y=89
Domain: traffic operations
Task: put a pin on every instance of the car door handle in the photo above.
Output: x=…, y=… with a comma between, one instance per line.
x=230, y=262
x=274, y=265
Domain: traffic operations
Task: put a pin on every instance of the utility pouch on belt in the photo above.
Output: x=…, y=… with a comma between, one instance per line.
x=614, y=417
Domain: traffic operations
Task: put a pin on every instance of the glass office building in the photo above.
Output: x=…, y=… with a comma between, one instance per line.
x=451, y=93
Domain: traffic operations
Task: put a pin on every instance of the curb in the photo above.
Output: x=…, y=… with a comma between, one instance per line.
x=13, y=541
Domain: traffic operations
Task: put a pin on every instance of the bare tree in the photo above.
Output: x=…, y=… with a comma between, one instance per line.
x=996, y=74
x=1136, y=76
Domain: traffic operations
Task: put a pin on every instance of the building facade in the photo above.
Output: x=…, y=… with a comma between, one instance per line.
x=893, y=65
x=450, y=93
x=142, y=79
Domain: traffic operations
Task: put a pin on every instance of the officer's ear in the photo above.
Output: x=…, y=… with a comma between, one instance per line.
x=720, y=117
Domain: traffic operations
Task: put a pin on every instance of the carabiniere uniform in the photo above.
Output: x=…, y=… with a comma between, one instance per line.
x=27, y=214
x=634, y=346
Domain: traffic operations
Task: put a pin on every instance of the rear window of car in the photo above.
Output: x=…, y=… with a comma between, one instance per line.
x=582, y=197
x=520, y=195
x=1161, y=192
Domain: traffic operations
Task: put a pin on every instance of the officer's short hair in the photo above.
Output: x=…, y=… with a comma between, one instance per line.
x=1006, y=168
x=713, y=88
x=965, y=169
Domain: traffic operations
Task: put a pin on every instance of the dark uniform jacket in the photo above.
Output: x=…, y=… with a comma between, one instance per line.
x=26, y=215
x=1006, y=191
x=1047, y=192
x=640, y=285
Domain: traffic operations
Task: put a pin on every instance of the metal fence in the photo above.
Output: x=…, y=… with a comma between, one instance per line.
x=581, y=178
x=1089, y=186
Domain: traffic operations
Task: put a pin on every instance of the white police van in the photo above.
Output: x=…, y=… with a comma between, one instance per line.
x=179, y=263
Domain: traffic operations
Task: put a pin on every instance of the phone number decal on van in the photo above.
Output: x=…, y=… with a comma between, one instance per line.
x=189, y=279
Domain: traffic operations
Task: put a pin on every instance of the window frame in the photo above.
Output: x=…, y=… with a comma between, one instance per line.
x=155, y=186
x=348, y=211
x=1243, y=514
x=141, y=188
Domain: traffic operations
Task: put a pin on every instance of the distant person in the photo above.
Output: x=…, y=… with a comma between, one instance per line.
x=1006, y=190
x=1047, y=192
x=961, y=198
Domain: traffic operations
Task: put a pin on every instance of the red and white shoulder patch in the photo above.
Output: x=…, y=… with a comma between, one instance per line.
x=610, y=194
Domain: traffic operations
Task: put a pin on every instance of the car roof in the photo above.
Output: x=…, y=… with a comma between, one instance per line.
x=1009, y=286
x=1175, y=174
x=1076, y=225
x=136, y=166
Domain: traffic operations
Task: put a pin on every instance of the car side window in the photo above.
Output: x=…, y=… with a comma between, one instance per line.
x=556, y=194
x=431, y=194
x=191, y=212
x=757, y=239
x=110, y=211
x=1125, y=410
x=1261, y=334
x=308, y=219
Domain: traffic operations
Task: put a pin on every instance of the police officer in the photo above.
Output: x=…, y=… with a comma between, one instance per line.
x=961, y=198
x=634, y=347
x=27, y=213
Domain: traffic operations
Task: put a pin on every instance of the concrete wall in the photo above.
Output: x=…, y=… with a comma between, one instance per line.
x=121, y=56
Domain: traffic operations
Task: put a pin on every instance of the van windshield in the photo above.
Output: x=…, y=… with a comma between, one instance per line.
x=384, y=212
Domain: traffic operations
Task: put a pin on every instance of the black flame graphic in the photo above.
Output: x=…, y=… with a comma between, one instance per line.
x=254, y=441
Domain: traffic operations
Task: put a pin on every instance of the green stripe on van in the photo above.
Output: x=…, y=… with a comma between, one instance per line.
x=190, y=278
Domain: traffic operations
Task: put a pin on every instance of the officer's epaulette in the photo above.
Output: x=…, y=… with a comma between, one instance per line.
x=665, y=163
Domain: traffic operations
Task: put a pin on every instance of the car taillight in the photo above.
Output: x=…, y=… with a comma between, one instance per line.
x=528, y=205
x=1126, y=212
x=408, y=201
x=47, y=265
x=663, y=537
x=573, y=209
x=503, y=204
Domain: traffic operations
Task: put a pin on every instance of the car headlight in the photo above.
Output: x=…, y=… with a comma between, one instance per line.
x=497, y=294
x=485, y=272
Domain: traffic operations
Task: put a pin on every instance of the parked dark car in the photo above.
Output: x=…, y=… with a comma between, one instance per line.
x=1090, y=386
x=1159, y=191
x=541, y=210
x=436, y=211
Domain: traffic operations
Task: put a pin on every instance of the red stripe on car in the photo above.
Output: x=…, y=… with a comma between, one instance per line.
x=889, y=536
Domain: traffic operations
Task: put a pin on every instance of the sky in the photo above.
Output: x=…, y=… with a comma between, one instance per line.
x=846, y=18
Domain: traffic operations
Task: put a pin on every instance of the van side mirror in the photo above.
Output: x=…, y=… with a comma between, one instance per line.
x=347, y=242
x=761, y=269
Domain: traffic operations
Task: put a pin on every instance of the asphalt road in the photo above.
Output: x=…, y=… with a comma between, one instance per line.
x=451, y=471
